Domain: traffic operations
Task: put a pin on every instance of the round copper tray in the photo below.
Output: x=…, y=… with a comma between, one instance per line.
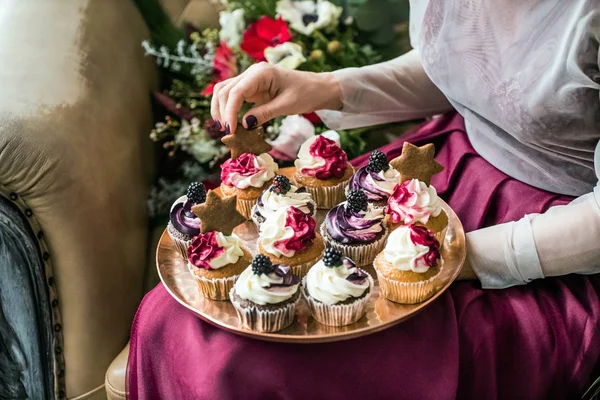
x=381, y=313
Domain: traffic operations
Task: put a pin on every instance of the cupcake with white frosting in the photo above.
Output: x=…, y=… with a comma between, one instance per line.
x=323, y=168
x=377, y=179
x=356, y=228
x=288, y=237
x=246, y=177
x=183, y=224
x=280, y=194
x=215, y=261
x=409, y=266
x=265, y=296
x=336, y=290
x=415, y=202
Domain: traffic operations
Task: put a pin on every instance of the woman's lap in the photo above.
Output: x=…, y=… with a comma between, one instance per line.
x=534, y=341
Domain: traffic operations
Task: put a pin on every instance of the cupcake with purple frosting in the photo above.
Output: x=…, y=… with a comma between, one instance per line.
x=336, y=290
x=184, y=225
x=356, y=228
x=377, y=179
x=265, y=295
x=281, y=194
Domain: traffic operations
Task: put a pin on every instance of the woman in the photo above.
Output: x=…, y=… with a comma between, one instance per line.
x=524, y=80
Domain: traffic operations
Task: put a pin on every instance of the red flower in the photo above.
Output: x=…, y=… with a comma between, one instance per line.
x=313, y=118
x=224, y=67
x=266, y=32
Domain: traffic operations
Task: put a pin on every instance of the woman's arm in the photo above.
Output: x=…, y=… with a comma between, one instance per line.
x=391, y=91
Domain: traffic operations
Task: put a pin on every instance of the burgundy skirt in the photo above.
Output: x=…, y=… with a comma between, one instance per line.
x=537, y=341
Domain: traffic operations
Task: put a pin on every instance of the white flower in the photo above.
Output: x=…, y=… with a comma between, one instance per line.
x=287, y=55
x=294, y=130
x=307, y=16
x=195, y=141
x=232, y=25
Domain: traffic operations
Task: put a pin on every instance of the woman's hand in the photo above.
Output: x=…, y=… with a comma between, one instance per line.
x=274, y=91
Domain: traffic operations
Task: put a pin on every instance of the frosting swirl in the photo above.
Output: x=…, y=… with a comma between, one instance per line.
x=412, y=248
x=348, y=226
x=376, y=185
x=213, y=250
x=322, y=158
x=276, y=287
x=413, y=201
x=269, y=202
x=248, y=170
x=182, y=217
x=331, y=285
x=287, y=231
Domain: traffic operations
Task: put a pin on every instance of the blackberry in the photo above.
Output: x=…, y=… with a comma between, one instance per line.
x=196, y=193
x=281, y=184
x=378, y=162
x=261, y=264
x=332, y=257
x=357, y=200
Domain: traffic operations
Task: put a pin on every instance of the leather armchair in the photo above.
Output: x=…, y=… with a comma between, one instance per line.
x=75, y=168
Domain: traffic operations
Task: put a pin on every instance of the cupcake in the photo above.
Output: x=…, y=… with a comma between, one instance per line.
x=356, y=228
x=288, y=237
x=250, y=169
x=409, y=267
x=336, y=290
x=216, y=261
x=183, y=224
x=282, y=194
x=414, y=200
x=216, y=256
x=265, y=296
x=377, y=179
x=322, y=167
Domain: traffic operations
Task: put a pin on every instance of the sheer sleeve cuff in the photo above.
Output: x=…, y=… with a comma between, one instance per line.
x=504, y=255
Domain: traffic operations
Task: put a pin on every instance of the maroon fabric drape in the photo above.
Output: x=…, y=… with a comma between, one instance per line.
x=537, y=341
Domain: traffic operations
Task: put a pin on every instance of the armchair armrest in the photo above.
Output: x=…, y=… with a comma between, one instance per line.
x=74, y=152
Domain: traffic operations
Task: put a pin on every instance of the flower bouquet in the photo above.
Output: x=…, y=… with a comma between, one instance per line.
x=307, y=35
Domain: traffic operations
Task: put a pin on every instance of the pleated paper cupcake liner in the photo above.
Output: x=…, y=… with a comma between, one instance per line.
x=244, y=206
x=253, y=217
x=337, y=314
x=441, y=235
x=407, y=292
x=363, y=254
x=302, y=269
x=328, y=196
x=215, y=288
x=265, y=320
x=181, y=246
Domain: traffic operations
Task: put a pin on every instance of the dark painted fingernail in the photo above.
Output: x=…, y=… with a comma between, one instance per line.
x=227, y=129
x=251, y=121
x=217, y=124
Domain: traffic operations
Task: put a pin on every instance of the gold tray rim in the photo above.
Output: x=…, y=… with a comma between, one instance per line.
x=458, y=244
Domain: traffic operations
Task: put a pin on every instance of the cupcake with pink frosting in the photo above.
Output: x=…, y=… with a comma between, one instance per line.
x=415, y=202
x=323, y=168
x=377, y=179
x=215, y=261
x=409, y=266
x=288, y=237
x=356, y=228
x=246, y=177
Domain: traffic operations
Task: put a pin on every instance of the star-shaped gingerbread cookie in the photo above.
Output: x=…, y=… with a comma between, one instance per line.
x=416, y=163
x=218, y=214
x=246, y=141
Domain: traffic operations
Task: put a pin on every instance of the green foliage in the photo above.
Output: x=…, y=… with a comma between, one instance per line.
x=255, y=9
x=162, y=31
x=593, y=391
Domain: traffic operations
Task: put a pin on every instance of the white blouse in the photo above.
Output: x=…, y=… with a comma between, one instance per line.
x=525, y=76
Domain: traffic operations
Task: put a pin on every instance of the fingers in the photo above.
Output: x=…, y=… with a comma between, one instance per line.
x=265, y=112
x=215, y=104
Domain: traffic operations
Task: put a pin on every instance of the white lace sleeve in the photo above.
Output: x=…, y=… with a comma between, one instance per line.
x=396, y=90
x=563, y=240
